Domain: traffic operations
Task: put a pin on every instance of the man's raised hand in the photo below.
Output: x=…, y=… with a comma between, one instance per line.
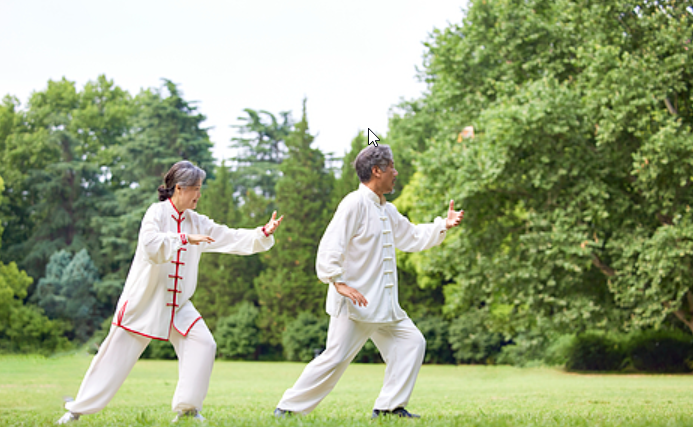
x=454, y=218
x=273, y=223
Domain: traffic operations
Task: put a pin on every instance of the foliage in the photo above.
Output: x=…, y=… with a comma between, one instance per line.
x=24, y=328
x=660, y=350
x=576, y=186
x=471, y=341
x=70, y=292
x=435, y=330
x=237, y=334
x=289, y=285
x=260, y=151
x=304, y=336
x=56, y=157
x=226, y=281
x=595, y=351
x=157, y=349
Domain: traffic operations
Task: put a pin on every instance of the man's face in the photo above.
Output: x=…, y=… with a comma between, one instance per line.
x=388, y=178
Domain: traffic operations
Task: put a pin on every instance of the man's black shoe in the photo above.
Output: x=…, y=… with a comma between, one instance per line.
x=280, y=413
x=400, y=412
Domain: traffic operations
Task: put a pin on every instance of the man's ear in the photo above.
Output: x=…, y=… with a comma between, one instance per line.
x=375, y=171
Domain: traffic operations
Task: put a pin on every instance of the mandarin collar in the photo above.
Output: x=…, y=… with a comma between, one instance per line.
x=370, y=194
x=173, y=207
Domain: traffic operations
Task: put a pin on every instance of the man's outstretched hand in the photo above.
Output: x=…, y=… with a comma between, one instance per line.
x=351, y=293
x=273, y=223
x=454, y=218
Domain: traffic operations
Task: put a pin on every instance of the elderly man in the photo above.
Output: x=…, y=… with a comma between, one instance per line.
x=356, y=257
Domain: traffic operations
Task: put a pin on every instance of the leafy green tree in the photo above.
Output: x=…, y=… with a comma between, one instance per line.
x=57, y=157
x=289, y=284
x=576, y=186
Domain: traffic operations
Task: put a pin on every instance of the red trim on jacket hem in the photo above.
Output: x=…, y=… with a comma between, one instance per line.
x=191, y=325
x=141, y=334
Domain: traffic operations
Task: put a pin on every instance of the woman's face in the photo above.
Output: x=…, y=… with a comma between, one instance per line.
x=187, y=197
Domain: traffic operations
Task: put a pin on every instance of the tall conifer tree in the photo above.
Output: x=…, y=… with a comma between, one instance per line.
x=289, y=285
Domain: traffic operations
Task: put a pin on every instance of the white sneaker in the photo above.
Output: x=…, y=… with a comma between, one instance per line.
x=69, y=417
x=192, y=414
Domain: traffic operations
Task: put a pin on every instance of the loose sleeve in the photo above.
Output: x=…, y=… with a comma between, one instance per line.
x=237, y=241
x=329, y=262
x=414, y=238
x=159, y=246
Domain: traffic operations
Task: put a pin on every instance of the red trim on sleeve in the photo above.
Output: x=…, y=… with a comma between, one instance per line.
x=265, y=232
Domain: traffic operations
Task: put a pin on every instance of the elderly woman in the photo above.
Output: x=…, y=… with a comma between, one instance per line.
x=155, y=303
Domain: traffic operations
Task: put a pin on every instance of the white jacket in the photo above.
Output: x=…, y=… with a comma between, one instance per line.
x=358, y=248
x=163, y=275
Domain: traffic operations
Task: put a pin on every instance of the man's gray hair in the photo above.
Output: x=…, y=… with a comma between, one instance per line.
x=380, y=156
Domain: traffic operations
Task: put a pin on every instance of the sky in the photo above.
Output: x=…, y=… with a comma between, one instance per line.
x=352, y=61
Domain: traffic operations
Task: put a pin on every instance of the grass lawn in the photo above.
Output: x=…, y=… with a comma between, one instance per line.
x=245, y=393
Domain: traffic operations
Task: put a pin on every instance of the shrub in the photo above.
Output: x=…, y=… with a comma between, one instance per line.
x=594, y=351
x=472, y=342
x=158, y=349
x=304, y=336
x=526, y=349
x=660, y=350
x=369, y=353
x=237, y=335
x=435, y=329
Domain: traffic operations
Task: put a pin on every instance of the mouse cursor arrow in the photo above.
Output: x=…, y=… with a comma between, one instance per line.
x=372, y=138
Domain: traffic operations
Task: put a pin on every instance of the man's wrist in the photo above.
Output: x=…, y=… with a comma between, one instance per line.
x=264, y=231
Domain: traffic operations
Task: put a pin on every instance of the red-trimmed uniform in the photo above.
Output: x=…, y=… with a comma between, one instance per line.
x=155, y=304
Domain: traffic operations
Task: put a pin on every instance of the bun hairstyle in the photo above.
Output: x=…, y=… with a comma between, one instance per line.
x=182, y=173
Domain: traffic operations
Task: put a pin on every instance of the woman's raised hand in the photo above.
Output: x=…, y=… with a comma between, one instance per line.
x=273, y=223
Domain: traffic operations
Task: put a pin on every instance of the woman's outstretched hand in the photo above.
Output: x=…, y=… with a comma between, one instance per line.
x=196, y=239
x=273, y=223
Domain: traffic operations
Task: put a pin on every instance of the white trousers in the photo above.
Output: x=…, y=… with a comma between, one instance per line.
x=401, y=345
x=118, y=354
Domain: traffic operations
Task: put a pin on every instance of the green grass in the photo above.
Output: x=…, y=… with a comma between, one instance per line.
x=245, y=393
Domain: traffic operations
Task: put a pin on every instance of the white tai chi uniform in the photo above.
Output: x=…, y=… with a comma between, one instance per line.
x=155, y=304
x=358, y=249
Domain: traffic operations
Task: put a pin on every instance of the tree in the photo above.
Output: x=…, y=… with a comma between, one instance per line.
x=70, y=292
x=260, y=151
x=577, y=185
x=226, y=280
x=24, y=328
x=289, y=284
x=57, y=156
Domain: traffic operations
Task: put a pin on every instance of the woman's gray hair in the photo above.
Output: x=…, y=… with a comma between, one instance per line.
x=182, y=173
x=380, y=156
